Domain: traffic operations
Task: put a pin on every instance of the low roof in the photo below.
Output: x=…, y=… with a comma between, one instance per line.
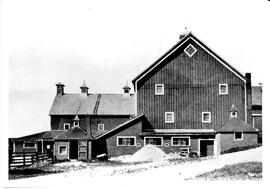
x=93, y=104
x=49, y=135
x=257, y=95
x=236, y=125
x=73, y=133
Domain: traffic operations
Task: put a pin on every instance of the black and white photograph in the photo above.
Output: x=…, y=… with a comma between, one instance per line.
x=133, y=93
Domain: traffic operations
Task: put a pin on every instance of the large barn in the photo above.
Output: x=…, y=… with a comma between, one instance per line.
x=188, y=100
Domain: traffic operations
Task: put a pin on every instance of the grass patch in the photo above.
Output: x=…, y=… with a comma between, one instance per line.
x=240, y=171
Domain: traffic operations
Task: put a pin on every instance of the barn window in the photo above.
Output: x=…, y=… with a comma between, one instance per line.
x=62, y=150
x=157, y=141
x=238, y=136
x=100, y=127
x=169, y=117
x=180, y=141
x=126, y=141
x=233, y=114
x=159, y=89
x=76, y=124
x=29, y=145
x=190, y=50
x=223, y=89
x=66, y=126
x=206, y=117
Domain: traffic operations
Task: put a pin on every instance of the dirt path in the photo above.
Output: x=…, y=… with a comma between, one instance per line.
x=155, y=169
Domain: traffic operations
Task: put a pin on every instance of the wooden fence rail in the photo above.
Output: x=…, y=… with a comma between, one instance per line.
x=20, y=159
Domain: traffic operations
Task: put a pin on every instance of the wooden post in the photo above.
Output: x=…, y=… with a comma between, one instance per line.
x=24, y=159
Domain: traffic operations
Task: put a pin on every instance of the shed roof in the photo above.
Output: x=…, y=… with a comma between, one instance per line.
x=103, y=104
x=257, y=95
x=236, y=125
x=73, y=133
x=42, y=135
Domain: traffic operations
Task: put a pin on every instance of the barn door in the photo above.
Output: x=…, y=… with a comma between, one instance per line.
x=206, y=148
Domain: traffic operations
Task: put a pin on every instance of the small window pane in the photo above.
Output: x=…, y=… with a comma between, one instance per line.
x=159, y=89
x=153, y=141
x=100, y=127
x=180, y=141
x=206, y=117
x=190, y=50
x=169, y=117
x=238, y=135
x=223, y=89
x=62, y=150
x=126, y=141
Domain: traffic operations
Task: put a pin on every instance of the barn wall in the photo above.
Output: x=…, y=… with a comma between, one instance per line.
x=227, y=141
x=109, y=122
x=191, y=87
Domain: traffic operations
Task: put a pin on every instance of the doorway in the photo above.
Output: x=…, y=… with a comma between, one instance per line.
x=73, y=150
x=206, y=147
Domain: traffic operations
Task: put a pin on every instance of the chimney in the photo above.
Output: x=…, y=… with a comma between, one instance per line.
x=249, y=98
x=126, y=88
x=84, y=88
x=60, y=88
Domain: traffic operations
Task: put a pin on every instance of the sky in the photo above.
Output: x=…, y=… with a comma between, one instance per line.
x=107, y=43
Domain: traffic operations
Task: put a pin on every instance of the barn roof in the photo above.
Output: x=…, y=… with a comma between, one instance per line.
x=257, y=95
x=98, y=104
x=236, y=125
x=178, y=45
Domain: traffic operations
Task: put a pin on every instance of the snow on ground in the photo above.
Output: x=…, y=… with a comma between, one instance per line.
x=182, y=170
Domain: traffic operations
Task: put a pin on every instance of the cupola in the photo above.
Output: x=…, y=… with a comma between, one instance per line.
x=60, y=88
x=76, y=120
x=233, y=112
x=126, y=88
x=84, y=88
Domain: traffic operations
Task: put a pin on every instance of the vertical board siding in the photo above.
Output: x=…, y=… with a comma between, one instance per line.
x=191, y=87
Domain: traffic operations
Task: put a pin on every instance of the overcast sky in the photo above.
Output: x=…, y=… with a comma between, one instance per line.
x=106, y=43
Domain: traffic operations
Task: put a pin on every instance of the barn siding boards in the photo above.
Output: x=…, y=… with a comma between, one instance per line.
x=191, y=87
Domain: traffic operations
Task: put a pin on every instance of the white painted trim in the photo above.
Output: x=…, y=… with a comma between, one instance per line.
x=245, y=88
x=13, y=147
x=199, y=145
x=190, y=55
x=201, y=47
x=231, y=114
x=180, y=144
x=153, y=137
x=65, y=152
x=100, y=125
x=257, y=115
x=209, y=117
x=227, y=89
x=30, y=147
x=117, y=141
x=242, y=136
x=159, y=85
x=166, y=113
x=66, y=124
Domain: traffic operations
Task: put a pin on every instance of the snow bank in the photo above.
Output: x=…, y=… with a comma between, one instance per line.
x=147, y=153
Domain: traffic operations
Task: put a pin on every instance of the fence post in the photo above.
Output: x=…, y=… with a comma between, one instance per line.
x=24, y=159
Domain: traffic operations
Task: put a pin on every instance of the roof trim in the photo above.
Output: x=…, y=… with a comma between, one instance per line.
x=121, y=125
x=178, y=45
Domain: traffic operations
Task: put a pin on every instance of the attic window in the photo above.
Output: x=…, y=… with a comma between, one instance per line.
x=223, y=89
x=159, y=89
x=100, y=127
x=206, y=117
x=190, y=50
x=66, y=126
x=169, y=117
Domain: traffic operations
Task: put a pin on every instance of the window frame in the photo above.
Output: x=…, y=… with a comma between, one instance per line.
x=100, y=124
x=117, y=140
x=67, y=124
x=153, y=137
x=35, y=146
x=180, y=144
x=76, y=125
x=233, y=116
x=156, y=86
x=65, y=150
x=219, y=89
x=166, y=121
x=210, y=117
x=187, y=53
x=242, y=136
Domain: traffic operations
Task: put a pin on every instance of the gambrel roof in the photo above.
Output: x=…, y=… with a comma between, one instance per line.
x=179, y=45
x=93, y=104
